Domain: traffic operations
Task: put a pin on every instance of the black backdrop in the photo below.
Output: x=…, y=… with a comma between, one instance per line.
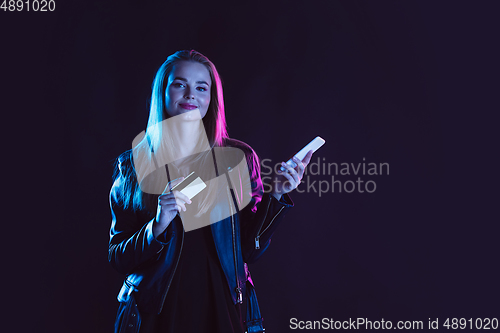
x=413, y=84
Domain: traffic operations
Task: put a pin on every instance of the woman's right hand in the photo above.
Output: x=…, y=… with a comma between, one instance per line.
x=169, y=203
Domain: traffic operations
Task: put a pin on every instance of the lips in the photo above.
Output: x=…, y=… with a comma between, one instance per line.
x=188, y=106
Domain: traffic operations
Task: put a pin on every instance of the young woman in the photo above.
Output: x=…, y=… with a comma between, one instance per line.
x=186, y=259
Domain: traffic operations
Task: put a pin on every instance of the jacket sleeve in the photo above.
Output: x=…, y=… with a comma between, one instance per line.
x=131, y=241
x=261, y=217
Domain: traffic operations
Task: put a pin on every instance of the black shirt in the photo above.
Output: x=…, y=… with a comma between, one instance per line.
x=198, y=299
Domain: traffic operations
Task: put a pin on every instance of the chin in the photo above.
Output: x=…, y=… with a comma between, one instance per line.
x=190, y=114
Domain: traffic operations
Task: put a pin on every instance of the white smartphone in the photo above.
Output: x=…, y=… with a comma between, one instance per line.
x=313, y=145
x=190, y=186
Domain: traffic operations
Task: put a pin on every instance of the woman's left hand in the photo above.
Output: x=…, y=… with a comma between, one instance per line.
x=288, y=180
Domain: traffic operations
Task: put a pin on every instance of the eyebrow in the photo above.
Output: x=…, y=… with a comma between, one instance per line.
x=183, y=79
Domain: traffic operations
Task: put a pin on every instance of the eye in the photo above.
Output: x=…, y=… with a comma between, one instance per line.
x=202, y=89
x=178, y=85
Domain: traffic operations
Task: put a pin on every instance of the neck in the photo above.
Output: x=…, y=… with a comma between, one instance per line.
x=189, y=137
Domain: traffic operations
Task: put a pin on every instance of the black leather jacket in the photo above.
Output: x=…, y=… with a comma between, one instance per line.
x=150, y=263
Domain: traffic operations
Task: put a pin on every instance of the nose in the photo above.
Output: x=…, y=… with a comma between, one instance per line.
x=188, y=94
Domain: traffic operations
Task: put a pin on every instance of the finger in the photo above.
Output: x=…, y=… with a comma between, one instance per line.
x=166, y=200
x=182, y=196
x=287, y=167
x=307, y=158
x=300, y=166
x=181, y=204
x=171, y=184
x=169, y=206
x=291, y=171
x=171, y=202
x=166, y=196
x=291, y=181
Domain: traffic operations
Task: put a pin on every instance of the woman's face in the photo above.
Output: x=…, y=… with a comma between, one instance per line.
x=188, y=90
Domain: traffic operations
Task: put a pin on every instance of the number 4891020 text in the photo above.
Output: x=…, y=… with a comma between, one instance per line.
x=28, y=6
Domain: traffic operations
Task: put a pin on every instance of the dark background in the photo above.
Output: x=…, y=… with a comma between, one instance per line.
x=409, y=83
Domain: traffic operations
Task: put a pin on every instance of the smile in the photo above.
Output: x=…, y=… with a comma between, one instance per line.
x=188, y=106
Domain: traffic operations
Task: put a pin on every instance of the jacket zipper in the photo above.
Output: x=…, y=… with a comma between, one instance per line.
x=172, y=276
x=239, y=293
x=257, y=243
x=178, y=257
x=257, y=239
x=237, y=289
